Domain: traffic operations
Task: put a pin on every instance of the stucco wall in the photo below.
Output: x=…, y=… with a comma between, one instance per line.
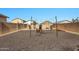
x=9, y=27
x=2, y=19
x=73, y=27
x=46, y=26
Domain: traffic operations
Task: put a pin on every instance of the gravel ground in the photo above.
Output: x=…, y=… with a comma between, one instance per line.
x=46, y=41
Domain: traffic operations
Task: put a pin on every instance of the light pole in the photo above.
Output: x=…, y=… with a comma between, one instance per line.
x=30, y=26
x=56, y=26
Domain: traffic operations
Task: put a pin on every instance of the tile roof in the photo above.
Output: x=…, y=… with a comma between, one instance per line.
x=4, y=16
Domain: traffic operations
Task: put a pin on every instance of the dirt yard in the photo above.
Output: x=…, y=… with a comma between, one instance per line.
x=46, y=41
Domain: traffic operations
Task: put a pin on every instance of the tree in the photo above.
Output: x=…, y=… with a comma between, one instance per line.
x=24, y=21
x=34, y=23
x=73, y=20
x=76, y=20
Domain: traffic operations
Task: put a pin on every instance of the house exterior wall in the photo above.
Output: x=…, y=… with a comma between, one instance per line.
x=33, y=27
x=3, y=19
x=37, y=26
x=46, y=26
x=0, y=28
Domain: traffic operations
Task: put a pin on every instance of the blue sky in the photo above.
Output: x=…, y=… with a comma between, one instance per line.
x=41, y=14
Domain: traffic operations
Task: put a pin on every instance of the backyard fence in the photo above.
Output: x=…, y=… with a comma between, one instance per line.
x=72, y=27
x=9, y=27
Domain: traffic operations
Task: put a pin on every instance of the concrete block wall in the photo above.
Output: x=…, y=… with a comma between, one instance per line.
x=73, y=27
x=0, y=28
x=9, y=27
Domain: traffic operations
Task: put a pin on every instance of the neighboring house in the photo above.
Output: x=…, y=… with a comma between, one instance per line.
x=64, y=21
x=3, y=18
x=17, y=20
x=46, y=25
x=31, y=23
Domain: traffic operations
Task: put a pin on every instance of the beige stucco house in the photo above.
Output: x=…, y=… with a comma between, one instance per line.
x=31, y=24
x=17, y=20
x=3, y=18
x=46, y=25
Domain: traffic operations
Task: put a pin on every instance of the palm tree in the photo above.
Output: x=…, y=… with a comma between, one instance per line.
x=23, y=23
